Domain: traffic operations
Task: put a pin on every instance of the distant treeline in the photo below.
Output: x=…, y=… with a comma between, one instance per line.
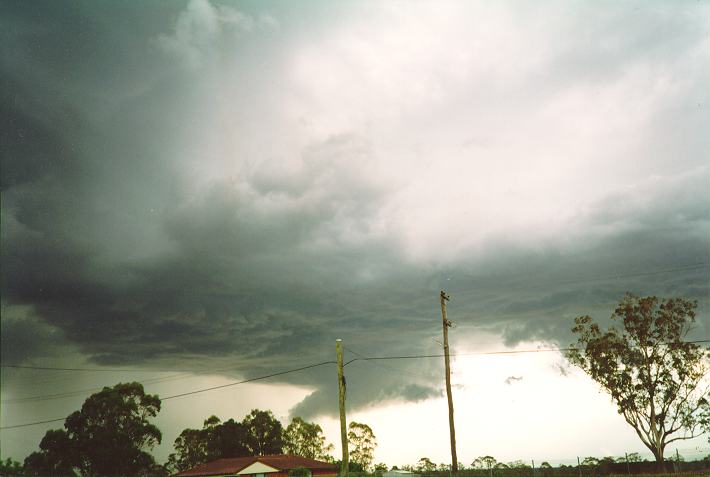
x=606, y=469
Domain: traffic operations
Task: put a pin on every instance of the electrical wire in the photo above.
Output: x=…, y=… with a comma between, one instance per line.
x=627, y=275
x=538, y=284
x=367, y=358
x=248, y=380
x=388, y=368
x=522, y=283
x=360, y=358
x=79, y=392
x=93, y=370
x=480, y=353
x=33, y=423
x=197, y=391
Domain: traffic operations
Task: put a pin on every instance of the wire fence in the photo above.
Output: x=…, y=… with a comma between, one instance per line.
x=688, y=462
x=699, y=468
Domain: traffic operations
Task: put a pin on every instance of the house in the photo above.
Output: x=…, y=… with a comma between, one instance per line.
x=261, y=466
x=399, y=473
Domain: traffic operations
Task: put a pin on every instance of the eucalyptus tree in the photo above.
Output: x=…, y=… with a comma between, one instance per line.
x=657, y=377
x=110, y=435
x=362, y=444
x=215, y=440
x=264, y=433
x=306, y=439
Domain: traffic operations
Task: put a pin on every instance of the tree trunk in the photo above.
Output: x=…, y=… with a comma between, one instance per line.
x=660, y=463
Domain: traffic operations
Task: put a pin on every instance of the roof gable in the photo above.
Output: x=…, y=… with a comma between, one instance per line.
x=288, y=462
x=238, y=465
x=257, y=468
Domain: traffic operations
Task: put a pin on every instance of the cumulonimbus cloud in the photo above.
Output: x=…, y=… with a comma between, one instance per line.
x=255, y=207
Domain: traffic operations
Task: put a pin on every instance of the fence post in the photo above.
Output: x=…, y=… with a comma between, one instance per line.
x=579, y=467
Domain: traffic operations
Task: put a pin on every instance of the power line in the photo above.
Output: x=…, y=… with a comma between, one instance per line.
x=360, y=358
x=536, y=285
x=197, y=391
x=248, y=380
x=424, y=356
x=389, y=368
x=33, y=423
x=524, y=285
x=107, y=370
x=366, y=358
x=480, y=353
x=522, y=282
x=117, y=370
x=627, y=275
x=79, y=392
x=539, y=284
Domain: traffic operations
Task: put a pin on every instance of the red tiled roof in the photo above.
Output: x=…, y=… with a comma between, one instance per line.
x=235, y=464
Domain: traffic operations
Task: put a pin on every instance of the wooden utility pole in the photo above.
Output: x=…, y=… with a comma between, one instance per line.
x=452, y=431
x=344, y=466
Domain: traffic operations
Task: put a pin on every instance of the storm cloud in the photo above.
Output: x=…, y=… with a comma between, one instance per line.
x=212, y=183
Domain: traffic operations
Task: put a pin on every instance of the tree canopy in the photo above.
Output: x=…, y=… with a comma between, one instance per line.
x=658, y=380
x=108, y=437
x=11, y=468
x=362, y=444
x=306, y=439
x=484, y=462
x=426, y=465
x=215, y=440
x=264, y=433
x=380, y=468
x=259, y=433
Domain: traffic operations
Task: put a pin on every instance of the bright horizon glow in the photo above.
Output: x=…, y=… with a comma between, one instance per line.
x=492, y=417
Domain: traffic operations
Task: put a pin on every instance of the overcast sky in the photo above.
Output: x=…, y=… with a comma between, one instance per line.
x=231, y=186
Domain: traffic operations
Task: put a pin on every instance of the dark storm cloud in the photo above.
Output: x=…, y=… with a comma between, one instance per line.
x=551, y=289
x=115, y=250
x=24, y=338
